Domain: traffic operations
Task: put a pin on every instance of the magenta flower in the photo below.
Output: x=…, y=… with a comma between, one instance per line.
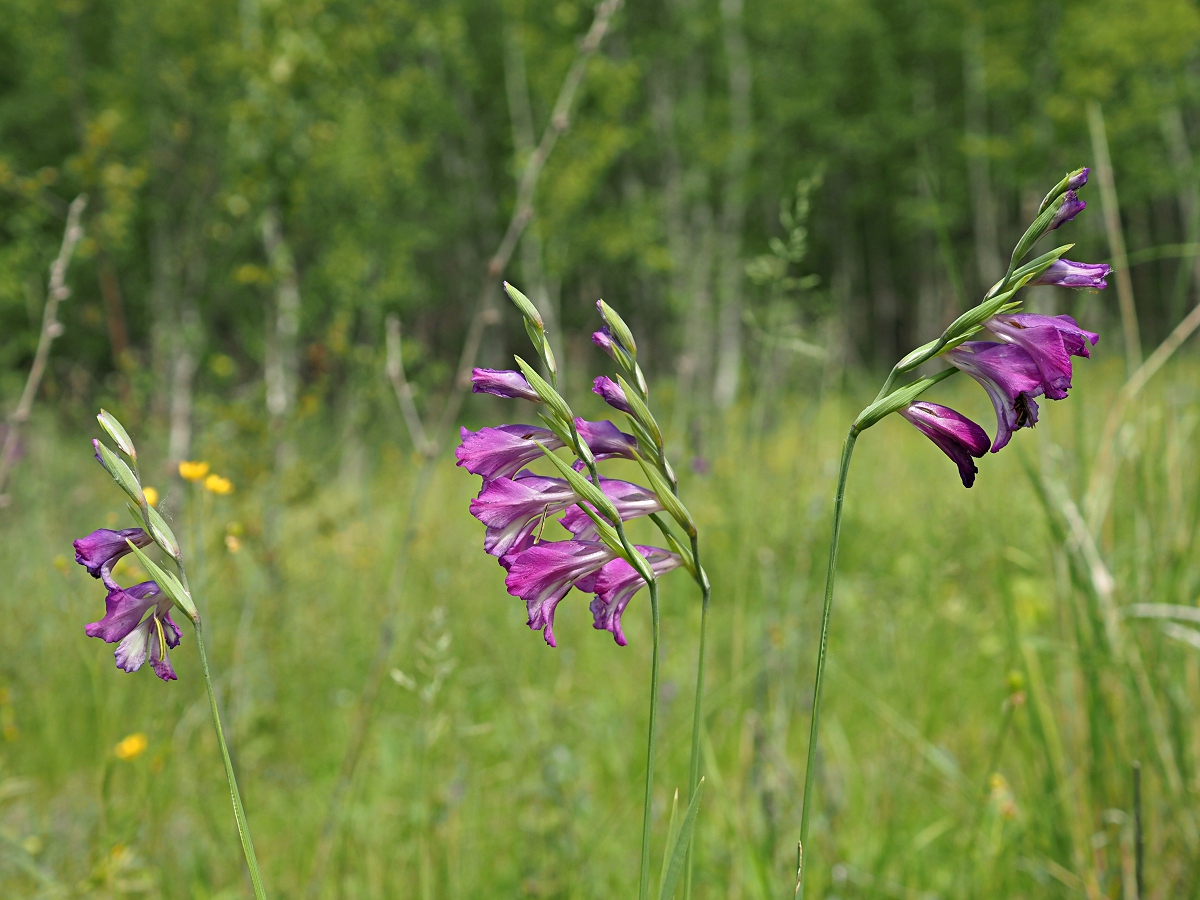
x=1069, y=274
x=604, y=340
x=631, y=501
x=1078, y=180
x=512, y=509
x=605, y=440
x=502, y=452
x=1050, y=340
x=616, y=584
x=502, y=383
x=611, y=393
x=543, y=574
x=1011, y=378
x=100, y=550
x=1070, y=207
x=953, y=433
x=138, y=638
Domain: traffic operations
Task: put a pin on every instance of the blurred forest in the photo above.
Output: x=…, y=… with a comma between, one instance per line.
x=267, y=180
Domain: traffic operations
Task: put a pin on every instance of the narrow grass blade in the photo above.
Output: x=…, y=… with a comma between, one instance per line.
x=682, y=840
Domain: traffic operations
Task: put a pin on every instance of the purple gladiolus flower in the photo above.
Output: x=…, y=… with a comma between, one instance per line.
x=605, y=440
x=1070, y=207
x=604, y=340
x=1069, y=274
x=1011, y=378
x=138, y=638
x=631, y=501
x=618, y=581
x=1050, y=340
x=100, y=550
x=513, y=508
x=953, y=433
x=612, y=394
x=542, y=575
x=502, y=383
x=502, y=452
x=1078, y=180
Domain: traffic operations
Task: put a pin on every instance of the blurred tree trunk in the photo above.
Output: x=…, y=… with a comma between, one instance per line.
x=733, y=213
x=1188, y=195
x=281, y=367
x=988, y=263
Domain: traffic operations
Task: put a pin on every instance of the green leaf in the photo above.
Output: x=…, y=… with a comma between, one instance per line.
x=608, y=534
x=620, y=331
x=117, y=432
x=162, y=533
x=667, y=498
x=641, y=412
x=548, y=395
x=662, y=874
x=168, y=583
x=898, y=399
x=582, y=487
x=682, y=841
x=525, y=305
x=120, y=472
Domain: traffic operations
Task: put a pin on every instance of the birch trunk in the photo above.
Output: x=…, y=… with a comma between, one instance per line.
x=281, y=368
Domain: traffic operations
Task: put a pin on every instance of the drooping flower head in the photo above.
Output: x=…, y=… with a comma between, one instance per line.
x=136, y=638
x=954, y=434
x=100, y=550
x=1050, y=340
x=1069, y=274
x=1011, y=378
x=502, y=383
x=616, y=584
x=543, y=574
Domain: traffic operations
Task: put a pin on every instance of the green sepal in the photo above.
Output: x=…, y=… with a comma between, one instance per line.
x=167, y=583
x=526, y=307
x=970, y=321
x=159, y=529
x=1059, y=189
x=1036, y=231
x=560, y=431
x=682, y=841
x=667, y=498
x=645, y=441
x=1036, y=267
x=898, y=399
x=117, y=432
x=607, y=533
x=641, y=412
x=689, y=562
x=120, y=472
x=582, y=487
x=548, y=395
x=620, y=331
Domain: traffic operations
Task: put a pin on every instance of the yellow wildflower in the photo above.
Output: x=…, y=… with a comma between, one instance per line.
x=131, y=747
x=151, y=495
x=218, y=484
x=192, y=471
x=232, y=544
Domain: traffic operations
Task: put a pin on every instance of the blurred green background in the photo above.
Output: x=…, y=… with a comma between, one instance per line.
x=781, y=198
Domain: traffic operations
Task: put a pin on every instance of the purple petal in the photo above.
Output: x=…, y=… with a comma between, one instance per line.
x=616, y=584
x=605, y=440
x=1069, y=274
x=174, y=635
x=631, y=500
x=1075, y=339
x=161, y=665
x=131, y=652
x=542, y=575
x=504, y=451
x=954, y=434
x=103, y=547
x=124, y=609
x=513, y=508
x=1078, y=180
x=612, y=393
x=1070, y=207
x=502, y=383
x=604, y=340
x=1011, y=378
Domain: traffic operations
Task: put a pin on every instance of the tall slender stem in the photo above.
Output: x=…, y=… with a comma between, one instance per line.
x=697, y=713
x=644, y=882
x=238, y=812
x=843, y=472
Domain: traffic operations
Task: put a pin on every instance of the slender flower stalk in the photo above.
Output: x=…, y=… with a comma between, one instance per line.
x=141, y=639
x=1031, y=359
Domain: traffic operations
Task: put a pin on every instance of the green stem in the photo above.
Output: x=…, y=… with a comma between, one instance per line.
x=644, y=881
x=238, y=812
x=843, y=472
x=697, y=712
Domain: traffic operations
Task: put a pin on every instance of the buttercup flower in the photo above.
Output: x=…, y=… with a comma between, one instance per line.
x=1011, y=378
x=1069, y=274
x=502, y=383
x=151, y=495
x=611, y=393
x=218, y=484
x=139, y=638
x=513, y=508
x=1071, y=207
x=100, y=550
x=192, y=471
x=631, y=501
x=542, y=575
x=131, y=747
x=617, y=582
x=1050, y=340
x=953, y=433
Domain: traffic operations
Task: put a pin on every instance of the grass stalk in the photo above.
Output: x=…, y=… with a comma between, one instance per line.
x=644, y=879
x=839, y=497
x=697, y=715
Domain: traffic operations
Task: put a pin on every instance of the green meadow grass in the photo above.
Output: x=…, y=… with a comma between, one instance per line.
x=977, y=736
